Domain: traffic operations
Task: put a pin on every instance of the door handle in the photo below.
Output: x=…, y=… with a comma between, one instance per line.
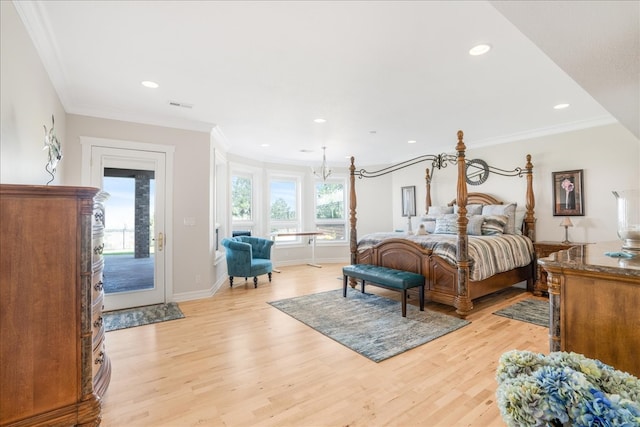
x=160, y=241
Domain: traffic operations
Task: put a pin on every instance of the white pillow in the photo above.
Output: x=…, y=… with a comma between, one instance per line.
x=508, y=210
x=520, y=214
x=472, y=209
x=440, y=210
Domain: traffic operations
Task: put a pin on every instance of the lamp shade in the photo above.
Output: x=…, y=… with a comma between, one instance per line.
x=566, y=222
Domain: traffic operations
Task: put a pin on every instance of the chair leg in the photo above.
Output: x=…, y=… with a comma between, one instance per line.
x=269, y=274
x=231, y=281
x=255, y=282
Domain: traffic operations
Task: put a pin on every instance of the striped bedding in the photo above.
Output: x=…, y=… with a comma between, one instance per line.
x=490, y=254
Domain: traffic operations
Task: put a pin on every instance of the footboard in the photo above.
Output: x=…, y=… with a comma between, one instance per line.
x=441, y=280
x=399, y=254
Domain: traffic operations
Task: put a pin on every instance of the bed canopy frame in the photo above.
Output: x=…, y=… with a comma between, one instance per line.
x=462, y=300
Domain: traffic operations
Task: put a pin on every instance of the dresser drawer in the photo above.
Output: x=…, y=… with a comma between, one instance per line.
x=97, y=285
x=99, y=357
x=97, y=249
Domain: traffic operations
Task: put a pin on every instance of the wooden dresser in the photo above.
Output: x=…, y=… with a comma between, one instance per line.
x=543, y=250
x=594, y=302
x=51, y=335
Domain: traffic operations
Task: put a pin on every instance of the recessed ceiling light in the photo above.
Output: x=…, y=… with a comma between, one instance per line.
x=150, y=84
x=479, y=49
x=561, y=106
x=411, y=141
x=264, y=145
x=320, y=120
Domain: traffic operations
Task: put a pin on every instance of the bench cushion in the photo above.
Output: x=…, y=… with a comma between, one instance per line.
x=385, y=276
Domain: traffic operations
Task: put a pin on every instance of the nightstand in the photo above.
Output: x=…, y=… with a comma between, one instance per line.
x=543, y=250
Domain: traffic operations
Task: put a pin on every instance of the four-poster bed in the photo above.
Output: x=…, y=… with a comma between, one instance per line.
x=454, y=276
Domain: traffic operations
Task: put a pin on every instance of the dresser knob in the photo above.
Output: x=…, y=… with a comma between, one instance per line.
x=98, y=322
x=100, y=359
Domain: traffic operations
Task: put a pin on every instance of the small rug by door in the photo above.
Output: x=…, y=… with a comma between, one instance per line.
x=131, y=317
x=368, y=324
x=529, y=310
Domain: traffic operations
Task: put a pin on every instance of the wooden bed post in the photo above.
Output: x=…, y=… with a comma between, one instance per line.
x=462, y=302
x=529, y=218
x=353, y=236
x=427, y=200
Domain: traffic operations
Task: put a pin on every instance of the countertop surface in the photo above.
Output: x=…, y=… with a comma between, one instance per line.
x=592, y=257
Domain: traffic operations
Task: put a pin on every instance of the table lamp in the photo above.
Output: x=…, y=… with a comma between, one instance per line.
x=566, y=223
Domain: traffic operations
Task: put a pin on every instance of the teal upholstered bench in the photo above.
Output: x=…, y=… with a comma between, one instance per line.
x=387, y=278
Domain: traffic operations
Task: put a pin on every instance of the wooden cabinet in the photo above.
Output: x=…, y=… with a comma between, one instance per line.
x=544, y=249
x=48, y=307
x=594, y=302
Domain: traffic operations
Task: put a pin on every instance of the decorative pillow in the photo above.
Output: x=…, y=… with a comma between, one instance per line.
x=494, y=225
x=507, y=210
x=472, y=209
x=447, y=224
x=474, y=227
x=430, y=226
x=520, y=214
x=440, y=210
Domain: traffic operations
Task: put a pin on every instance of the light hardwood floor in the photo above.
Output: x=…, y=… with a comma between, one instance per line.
x=236, y=361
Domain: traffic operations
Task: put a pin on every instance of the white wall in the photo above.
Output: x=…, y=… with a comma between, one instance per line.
x=27, y=101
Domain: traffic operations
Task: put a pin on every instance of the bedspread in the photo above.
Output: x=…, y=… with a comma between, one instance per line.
x=489, y=255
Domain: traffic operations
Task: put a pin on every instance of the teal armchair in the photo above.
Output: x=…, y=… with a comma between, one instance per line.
x=248, y=257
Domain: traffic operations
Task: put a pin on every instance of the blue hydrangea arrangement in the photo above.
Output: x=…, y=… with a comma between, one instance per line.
x=565, y=389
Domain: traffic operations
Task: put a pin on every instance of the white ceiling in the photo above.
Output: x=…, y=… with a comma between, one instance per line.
x=380, y=72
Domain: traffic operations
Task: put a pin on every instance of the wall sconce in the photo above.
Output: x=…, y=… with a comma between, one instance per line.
x=566, y=223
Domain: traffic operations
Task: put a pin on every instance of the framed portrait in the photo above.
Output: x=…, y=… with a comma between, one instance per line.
x=409, y=201
x=568, y=193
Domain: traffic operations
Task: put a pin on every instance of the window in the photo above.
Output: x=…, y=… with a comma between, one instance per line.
x=241, y=202
x=330, y=218
x=284, y=205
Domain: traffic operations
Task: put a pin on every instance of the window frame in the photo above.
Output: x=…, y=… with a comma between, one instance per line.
x=296, y=224
x=344, y=221
x=251, y=224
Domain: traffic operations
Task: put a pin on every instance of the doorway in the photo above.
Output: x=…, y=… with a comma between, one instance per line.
x=135, y=252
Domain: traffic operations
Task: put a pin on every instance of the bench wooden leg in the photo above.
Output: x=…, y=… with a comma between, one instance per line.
x=422, y=298
x=404, y=303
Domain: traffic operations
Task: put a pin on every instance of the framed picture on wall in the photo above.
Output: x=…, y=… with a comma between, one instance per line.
x=409, y=201
x=568, y=193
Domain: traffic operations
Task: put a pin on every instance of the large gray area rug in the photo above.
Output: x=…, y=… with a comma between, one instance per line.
x=131, y=317
x=529, y=310
x=368, y=324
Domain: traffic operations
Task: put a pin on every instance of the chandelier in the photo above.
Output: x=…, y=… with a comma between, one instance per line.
x=324, y=171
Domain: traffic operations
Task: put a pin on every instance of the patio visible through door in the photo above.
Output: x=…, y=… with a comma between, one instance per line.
x=134, y=235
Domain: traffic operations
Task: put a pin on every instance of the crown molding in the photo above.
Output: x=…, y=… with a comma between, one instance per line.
x=38, y=27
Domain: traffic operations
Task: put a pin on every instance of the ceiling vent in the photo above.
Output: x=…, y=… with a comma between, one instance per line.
x=180, y=104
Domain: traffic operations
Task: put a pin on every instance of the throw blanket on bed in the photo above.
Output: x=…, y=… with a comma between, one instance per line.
x=489, y=254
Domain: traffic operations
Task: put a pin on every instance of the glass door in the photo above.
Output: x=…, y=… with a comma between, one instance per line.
x=134, y=225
